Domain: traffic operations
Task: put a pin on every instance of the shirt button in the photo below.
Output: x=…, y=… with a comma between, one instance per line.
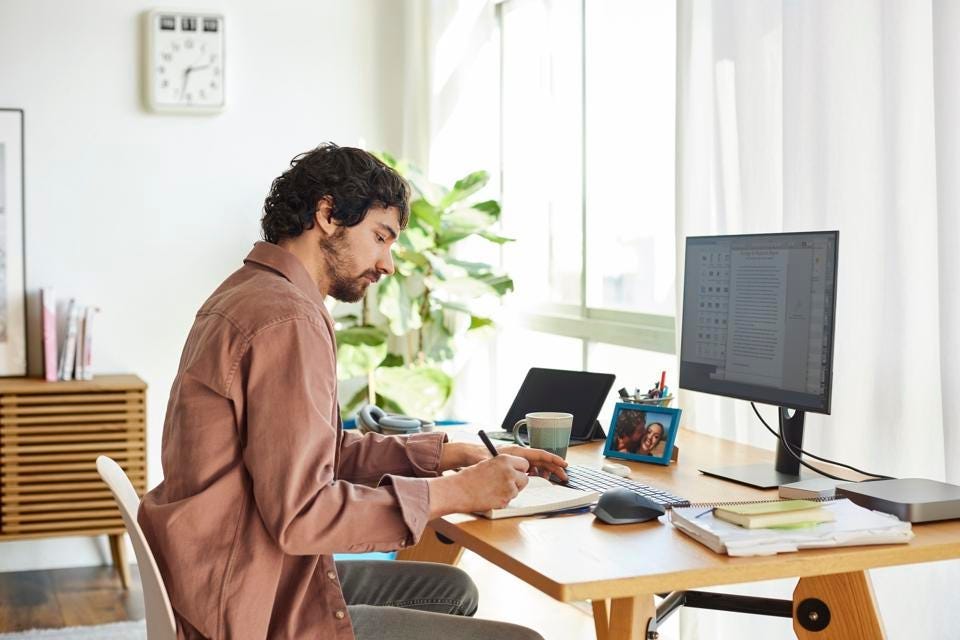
x=339, y=615
x=331, y=575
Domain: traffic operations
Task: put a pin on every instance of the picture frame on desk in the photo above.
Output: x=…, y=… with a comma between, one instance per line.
x=642, y=433
x=13, y=334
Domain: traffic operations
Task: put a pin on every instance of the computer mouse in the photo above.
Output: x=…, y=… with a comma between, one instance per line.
x=622, y=506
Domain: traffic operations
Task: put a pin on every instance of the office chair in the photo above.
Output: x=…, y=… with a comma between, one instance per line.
x=161, y=624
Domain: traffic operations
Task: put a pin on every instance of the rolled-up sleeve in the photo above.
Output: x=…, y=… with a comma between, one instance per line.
x=290, y=452
x=366, y=458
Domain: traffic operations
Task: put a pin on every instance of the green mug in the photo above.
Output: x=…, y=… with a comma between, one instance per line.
x=548, y=430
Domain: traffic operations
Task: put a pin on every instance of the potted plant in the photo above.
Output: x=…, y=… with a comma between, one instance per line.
x=399, y=346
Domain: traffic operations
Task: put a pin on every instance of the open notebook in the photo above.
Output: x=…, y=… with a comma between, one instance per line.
x=542, y=496
x=852, y=525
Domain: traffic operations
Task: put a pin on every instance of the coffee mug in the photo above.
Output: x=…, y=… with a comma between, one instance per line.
x=548, y=430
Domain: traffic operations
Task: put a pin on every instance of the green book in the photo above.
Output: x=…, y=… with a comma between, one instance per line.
x=760, y=515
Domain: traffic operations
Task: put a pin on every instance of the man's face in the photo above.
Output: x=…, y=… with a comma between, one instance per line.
x=355, y=257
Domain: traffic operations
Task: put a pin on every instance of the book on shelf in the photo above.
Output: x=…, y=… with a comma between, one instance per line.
x=761, y=515
x=48, y=322
x=70, y=357
x=852, y=525
x=68, y=351
x=542, y=496
x=86, y=353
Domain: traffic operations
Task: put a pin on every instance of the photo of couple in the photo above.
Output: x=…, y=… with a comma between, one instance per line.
x=634, y=434
x=642, y=433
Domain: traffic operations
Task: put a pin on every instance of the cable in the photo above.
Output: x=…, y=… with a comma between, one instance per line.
x=790, y=449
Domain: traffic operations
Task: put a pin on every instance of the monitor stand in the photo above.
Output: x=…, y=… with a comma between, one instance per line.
x=766, y=476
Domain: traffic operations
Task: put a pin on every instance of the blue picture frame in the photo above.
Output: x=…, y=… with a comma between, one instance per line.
x=628, y=440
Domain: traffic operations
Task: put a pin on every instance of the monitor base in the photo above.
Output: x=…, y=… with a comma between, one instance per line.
x=759, y=476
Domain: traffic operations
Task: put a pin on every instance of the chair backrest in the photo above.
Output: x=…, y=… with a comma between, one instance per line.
x=161, y=624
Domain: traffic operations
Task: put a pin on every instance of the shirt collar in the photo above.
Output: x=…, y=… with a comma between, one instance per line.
x=286, y=264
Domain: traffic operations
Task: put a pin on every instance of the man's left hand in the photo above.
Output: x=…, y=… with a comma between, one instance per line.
x=463, y=454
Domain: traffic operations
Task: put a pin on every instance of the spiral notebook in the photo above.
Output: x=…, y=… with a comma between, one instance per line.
x=852, y=525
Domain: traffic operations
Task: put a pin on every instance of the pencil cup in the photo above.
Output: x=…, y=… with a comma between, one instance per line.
x=651, y=402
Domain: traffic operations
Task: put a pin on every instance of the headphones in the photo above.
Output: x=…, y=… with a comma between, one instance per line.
x=373, y=418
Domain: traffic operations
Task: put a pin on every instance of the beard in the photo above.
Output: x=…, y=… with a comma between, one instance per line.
x=343, y=286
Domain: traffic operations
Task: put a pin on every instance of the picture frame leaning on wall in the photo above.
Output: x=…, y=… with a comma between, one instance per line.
x=13, y=325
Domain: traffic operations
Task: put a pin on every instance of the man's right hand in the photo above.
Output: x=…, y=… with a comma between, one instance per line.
x=489, y=484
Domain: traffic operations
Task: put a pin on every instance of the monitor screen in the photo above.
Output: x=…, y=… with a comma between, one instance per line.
x=758, y=317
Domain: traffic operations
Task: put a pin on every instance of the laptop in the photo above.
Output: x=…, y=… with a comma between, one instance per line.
x=581, y=393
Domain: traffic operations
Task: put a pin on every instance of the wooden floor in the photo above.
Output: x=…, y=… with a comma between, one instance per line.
x=93, y=595
x=66, y=598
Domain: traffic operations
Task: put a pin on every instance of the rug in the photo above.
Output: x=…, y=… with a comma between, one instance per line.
x=131, y=630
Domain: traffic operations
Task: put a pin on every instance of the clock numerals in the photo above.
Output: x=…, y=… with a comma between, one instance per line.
x=186, y=62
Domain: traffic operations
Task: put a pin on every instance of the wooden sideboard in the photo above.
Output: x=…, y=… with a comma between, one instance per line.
x=50, y=436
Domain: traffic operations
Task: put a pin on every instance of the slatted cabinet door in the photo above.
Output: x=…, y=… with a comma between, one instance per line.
x=50, y=436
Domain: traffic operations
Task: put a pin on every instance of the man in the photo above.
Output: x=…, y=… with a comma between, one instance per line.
x=261, y=484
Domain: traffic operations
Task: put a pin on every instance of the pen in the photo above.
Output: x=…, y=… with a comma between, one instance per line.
x=663, y=380
x=486, y=441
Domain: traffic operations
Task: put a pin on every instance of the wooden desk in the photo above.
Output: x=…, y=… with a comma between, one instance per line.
x=576, y=558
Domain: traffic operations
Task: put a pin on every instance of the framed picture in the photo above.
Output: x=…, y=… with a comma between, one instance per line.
x=642, y=433
x=13, y=334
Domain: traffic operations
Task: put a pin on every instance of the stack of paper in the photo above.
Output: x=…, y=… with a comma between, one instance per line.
x=852, y=525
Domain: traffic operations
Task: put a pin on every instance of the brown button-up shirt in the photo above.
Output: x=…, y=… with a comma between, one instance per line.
x=261, y=484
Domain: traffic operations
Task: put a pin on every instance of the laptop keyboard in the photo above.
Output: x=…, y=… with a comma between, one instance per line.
x=589, y=479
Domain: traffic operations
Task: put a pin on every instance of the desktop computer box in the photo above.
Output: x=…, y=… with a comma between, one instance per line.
x=910, y=499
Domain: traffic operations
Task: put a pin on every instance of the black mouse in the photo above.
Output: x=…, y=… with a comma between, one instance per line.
x=622, y=506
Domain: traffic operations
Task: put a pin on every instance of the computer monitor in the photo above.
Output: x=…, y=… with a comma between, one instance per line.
x=758, y=324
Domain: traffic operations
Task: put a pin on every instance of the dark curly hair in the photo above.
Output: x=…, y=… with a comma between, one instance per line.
x=354, y=179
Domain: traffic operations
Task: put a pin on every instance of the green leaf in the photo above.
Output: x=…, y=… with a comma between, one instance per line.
x=359, y=359
x=492, y=237
x=465, y=288
x=460, y=223
x=476, y=322
x=370, y=336
x=392, y=360
x=423, y=211
x=418, y=391
x=415, y=240
x=491, y=207
x=464, y=187
x=398, y=306
x=436, y=339
x=498, y=282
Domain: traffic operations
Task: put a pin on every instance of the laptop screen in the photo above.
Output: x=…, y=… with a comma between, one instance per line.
x=581, y=393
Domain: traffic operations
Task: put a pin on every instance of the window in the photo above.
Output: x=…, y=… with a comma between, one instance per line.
x=587, y=143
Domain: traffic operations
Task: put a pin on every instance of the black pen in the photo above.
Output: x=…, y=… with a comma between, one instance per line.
x=486, y=441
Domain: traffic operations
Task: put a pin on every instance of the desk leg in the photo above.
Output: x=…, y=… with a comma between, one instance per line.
x=850, y=610
x=628, y=618
x=432, y=548
x=119, y=552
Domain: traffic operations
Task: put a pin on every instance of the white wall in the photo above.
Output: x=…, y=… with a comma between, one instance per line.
x=144, y=215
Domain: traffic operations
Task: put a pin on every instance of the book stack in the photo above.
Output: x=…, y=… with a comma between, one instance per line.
x=846, y=525
x=67, y=353
x=774, y=515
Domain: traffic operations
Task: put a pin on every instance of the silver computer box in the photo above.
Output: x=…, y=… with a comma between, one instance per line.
x=910, y=499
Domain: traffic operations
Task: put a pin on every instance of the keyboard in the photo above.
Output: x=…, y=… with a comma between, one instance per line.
x=589, y=479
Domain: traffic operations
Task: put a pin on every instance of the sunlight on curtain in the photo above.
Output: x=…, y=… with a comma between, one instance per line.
x=819, y=115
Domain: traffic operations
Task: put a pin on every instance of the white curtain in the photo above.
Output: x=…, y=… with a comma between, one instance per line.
x=796, y=116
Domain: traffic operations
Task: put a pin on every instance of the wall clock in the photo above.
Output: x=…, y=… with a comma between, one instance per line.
x=183, y=62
